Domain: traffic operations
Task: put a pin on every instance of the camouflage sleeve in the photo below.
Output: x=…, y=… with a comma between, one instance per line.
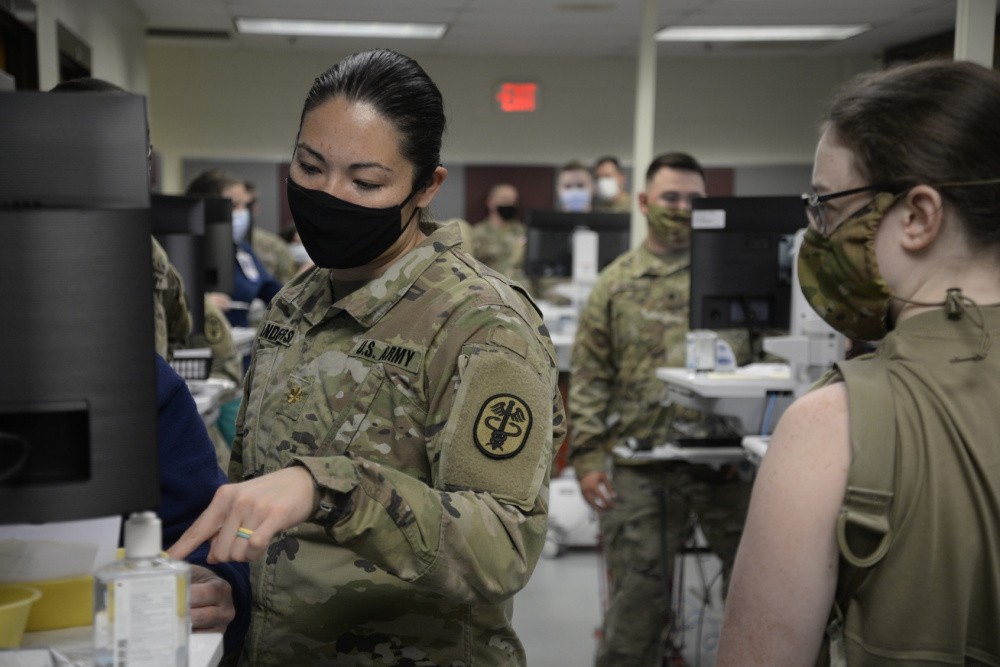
x=473, y=532
x=227, y=362
x=591, y=382
x=179, y=322
x=170, y=310
x=235, y=471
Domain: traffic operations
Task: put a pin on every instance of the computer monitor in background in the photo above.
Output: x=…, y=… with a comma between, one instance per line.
x=742, y=250
x=73, y=151
x=220, y=257
x=179, y=226
x=549, y=248
x=78, y=433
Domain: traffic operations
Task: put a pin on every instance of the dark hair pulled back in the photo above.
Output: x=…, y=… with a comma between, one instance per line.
x=399, y=89
x=929, y=123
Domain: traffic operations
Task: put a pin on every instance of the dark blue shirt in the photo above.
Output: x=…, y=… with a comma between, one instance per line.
x=189, y=476
x=247, y=288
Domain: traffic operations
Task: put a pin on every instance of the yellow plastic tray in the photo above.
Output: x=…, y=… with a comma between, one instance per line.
x=65, y=603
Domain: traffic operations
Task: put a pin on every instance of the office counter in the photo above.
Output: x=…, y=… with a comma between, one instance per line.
x=77, y=644
x=754, y=395
x=714, y=456
x=243, y=338
x=208, y=397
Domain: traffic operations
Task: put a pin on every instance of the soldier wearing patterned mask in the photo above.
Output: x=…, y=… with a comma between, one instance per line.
x=636, y=321
x=872, y=538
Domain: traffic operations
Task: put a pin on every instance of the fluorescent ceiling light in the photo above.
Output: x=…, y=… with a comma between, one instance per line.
x=759, y=33
x=341, y=28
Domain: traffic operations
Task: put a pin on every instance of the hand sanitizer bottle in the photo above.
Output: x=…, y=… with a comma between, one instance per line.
x=142, y=607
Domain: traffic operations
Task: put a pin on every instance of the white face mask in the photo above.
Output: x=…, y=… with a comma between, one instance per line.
x=241, y=224
x=607, y=187
x=299, y=253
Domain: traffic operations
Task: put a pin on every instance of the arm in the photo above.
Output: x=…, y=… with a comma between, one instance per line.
x=785, y=575
x=268, y=286
x=475, y=529
x=179, y=322
x=591, y=384
x=189, y=476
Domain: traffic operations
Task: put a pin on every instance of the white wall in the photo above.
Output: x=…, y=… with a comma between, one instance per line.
x=223, y=102
x=113, y=29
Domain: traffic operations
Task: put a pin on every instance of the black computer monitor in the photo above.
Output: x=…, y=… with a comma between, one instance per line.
x=78, y=428
x=220, y=256
x=73, y=150
x=549, y=247
x=179, y=226
x=741, y=261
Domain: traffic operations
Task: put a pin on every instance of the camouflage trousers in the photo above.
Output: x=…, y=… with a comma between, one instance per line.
x=642, y=534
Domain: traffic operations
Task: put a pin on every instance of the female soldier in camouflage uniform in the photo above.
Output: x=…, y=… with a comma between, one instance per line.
x=395, y=438
x=903, y=247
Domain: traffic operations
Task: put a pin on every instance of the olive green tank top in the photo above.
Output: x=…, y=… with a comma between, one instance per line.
x=934, y=596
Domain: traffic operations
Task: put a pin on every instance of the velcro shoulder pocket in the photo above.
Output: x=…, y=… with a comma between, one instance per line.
x=499, y=436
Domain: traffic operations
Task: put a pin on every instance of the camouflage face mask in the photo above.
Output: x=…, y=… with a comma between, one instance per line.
x=672, y=225
x=839, y=276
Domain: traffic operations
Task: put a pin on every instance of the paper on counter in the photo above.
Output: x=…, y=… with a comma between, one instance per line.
x=36, y=552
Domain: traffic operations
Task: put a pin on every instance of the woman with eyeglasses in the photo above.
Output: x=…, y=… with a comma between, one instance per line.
x=395, y=439
x=874, y=530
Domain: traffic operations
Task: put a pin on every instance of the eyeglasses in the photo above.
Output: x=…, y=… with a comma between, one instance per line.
x=816, y=205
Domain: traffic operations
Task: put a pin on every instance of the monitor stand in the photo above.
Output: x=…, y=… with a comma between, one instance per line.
x=813, y=346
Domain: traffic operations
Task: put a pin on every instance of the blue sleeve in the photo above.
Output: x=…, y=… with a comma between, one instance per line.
x=189, y=477
x=246, y=290
x=268, y=286
x=238, y=576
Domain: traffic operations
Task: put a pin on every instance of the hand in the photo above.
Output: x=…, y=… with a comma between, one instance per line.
x=219, y=299
x=211, y=601
x=265, y=505
x=597, y=490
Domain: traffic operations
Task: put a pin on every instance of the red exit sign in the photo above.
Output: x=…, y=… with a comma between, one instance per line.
x=517, y=97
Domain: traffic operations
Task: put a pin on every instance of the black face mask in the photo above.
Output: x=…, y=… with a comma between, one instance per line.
x=507, y=212
x=340, y=235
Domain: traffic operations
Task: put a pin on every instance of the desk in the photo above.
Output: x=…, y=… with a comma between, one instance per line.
x=208, y=397
x=243, y=339
x=717, y=456
x=742, y=394
x=77, y=644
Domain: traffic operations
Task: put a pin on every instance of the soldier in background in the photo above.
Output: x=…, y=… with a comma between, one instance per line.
x=575, y=188
x=498, y=240
x=610, y=195
x=394, y=446
x=170, y=309
x=271, y=249
x=227, y=365
x=635, y=321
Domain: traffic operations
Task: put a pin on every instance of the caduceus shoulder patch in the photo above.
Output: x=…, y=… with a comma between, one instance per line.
x=502, y=426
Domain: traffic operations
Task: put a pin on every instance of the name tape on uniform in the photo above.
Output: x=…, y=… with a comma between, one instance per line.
x=275, y=333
